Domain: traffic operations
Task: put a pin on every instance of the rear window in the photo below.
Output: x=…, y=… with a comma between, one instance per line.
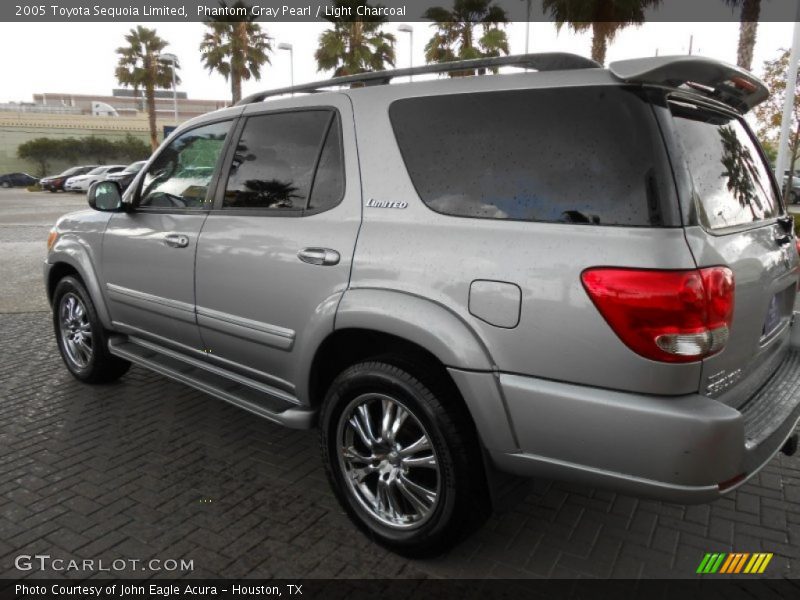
x=731, y=182
x=588, y=155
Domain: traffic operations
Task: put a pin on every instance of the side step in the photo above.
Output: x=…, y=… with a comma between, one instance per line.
x=256, y=397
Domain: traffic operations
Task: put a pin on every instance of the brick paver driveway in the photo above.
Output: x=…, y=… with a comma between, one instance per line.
x=150, y=468
x=147, y=468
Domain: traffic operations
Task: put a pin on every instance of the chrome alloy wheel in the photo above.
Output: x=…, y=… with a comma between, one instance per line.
x=388, y=461
x=76, y=331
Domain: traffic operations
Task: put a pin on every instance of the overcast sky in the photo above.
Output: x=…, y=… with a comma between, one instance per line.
x=79, y=58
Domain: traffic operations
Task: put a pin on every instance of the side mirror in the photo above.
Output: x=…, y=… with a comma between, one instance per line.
x=105, y=196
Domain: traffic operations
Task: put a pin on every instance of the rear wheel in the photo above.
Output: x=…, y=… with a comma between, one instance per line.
x=5, y=185
x=403, y=458
x=794, y=197
x=82, y=341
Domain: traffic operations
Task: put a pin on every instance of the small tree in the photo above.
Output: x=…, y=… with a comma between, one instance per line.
x=40, y=151
x=97, y=148
x=770, y=112
x=131, y=148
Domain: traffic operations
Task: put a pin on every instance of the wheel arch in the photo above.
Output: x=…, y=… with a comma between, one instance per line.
x=61, y=263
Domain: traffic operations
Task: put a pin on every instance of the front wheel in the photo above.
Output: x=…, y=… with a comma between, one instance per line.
x=82, y=340
x=403, y=458
x=5, y=185
x=794, y=197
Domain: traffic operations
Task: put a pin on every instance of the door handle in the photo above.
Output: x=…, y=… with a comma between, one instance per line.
x=176, y=240
x=319, y=256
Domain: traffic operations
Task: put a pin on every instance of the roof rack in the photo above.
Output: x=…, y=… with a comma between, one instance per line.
x=545, y=61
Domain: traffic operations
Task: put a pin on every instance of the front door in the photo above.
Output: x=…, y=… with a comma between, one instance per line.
x=149, y=253
x=274, y=257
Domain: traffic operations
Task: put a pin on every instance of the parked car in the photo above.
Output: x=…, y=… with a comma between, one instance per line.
x=17, y=180
x=794, y=192
x=55, y=183
x=124, y=177
x=81, y=183
x=418, y=271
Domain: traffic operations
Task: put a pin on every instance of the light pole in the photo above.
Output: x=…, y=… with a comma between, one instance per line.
x=782, y=160
x=173, y=61
x=410, y=31
x=527, y=25
x=285, y=46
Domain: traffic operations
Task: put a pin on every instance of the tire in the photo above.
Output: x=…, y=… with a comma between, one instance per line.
x=794, y=197
x=426, y=505
x=5, y=185
x=82, y=340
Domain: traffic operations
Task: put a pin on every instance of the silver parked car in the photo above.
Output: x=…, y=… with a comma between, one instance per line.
x=570, y=272
x=81, y=183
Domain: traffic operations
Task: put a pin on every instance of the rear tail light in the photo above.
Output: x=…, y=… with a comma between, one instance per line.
x=668, y=316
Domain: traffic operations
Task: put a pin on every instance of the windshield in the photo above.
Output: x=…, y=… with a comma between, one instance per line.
x=98, y=171
x=134, y=168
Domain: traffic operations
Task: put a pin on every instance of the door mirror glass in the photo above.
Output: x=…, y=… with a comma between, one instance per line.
x=105, y=196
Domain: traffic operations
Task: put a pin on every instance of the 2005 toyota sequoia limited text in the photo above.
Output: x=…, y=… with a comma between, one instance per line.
x=569, y=271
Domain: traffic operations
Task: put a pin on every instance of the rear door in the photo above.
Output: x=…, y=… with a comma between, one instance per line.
x=737, y=214
x=274, y=256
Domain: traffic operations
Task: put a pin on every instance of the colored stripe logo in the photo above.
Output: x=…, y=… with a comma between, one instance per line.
x=734, y=563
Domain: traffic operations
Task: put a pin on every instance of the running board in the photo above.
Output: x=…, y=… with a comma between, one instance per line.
x=253, y=396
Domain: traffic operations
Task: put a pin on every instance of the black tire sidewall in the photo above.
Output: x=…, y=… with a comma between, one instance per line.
x=392, y=381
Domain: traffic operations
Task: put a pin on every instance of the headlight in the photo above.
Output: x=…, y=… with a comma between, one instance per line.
x=51, y=239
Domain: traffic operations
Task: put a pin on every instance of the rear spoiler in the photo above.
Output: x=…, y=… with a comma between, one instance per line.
x=726, y=83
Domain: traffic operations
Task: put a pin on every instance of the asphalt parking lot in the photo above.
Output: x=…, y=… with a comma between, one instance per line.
x=147, y=468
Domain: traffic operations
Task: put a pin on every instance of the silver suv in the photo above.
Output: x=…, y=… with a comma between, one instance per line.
x=570, y=272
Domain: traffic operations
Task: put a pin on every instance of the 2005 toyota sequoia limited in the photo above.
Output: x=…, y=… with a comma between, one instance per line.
x=570, y=272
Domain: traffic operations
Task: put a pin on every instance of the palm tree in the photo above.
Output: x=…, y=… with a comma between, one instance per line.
x=356, y=45
x=455, y=38
x=235, y=47
x=141, y=66
x=604, y=17
x=748, y=27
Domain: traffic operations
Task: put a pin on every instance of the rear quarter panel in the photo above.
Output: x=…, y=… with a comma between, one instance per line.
x=560, y=334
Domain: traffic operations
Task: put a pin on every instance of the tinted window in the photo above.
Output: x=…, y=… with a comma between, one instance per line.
x=731, y=182
x=180, y=174
x=275, y=158
x=328, y=187
x=574, y=155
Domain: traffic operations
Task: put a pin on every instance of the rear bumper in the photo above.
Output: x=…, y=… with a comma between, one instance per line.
x=682, y=449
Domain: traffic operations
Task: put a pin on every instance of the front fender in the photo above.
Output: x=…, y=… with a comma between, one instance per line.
x=81, y=256
x=428, y=324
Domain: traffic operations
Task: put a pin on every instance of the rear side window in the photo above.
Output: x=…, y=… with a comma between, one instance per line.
x=588, y=155
x=731, y=182
x=277, y=158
